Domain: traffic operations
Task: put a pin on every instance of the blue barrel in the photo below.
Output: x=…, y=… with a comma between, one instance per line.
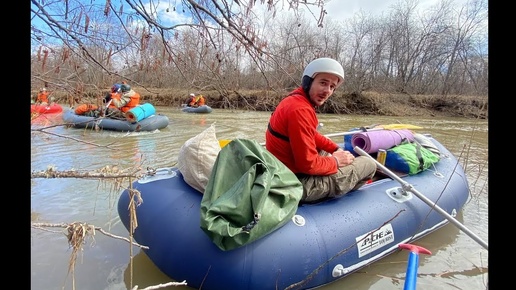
x=140, y=112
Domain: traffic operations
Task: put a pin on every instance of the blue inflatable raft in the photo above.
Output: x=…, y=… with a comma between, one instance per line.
x=205, y=109
x=150, y=123
x=322, y=243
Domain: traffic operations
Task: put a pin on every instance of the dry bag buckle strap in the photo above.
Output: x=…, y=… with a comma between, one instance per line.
x=256, y=218
x=420, y=157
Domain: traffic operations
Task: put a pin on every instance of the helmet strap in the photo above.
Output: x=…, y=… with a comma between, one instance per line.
x=306, y=83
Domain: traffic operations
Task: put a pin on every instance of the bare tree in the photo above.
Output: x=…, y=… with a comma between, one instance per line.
x=230, y=46
x=122, y=41
x=470, y=19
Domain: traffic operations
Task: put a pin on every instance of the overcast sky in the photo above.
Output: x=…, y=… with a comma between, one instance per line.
x=338, y=10
x=344, y=9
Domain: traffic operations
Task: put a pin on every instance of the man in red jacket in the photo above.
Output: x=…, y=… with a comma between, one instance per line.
x=325, y=169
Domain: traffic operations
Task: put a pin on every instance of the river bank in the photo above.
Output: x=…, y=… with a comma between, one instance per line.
x=367, y=103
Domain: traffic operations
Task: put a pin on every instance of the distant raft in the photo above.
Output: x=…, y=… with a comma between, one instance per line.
x=200, y=110
x=150, y=123
x=46, y=109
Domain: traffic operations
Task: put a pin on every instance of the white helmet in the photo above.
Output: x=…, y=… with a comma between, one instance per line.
x=325, y=65
x=192, y=95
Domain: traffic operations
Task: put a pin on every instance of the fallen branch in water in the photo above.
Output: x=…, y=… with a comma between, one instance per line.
x=105, y=172
x=81, y=230
x=42, y=130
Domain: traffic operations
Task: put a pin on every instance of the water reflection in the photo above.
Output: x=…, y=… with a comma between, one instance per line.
x=145, y=273
x=45, y=120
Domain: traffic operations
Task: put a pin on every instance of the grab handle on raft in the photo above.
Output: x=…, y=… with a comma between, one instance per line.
x=408, y=187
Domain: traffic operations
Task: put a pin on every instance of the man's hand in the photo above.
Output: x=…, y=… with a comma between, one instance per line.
x=343, y=157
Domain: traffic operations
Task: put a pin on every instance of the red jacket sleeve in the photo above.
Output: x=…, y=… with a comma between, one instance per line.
x=325, y=143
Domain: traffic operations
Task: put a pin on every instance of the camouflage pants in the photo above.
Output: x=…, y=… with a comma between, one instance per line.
x=93, y=113
x=115, y=114
x=321, y=187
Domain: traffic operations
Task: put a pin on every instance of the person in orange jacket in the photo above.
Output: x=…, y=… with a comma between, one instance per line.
x=123, y=99
x=323, y=167
x=196, y=101
x=201, y=101
x=42, y=97
x=115, y=93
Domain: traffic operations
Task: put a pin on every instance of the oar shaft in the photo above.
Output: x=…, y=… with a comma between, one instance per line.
x=360, y=131
x=344, y=133
x=407, y=186
x=351, y=132
x=411, y=273
x=104, y=112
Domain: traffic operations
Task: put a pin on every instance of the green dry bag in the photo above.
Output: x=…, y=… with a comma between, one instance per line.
x=410, y=158
x=250, y=193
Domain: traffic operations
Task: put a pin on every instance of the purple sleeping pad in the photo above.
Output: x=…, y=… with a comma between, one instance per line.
x=371, y=141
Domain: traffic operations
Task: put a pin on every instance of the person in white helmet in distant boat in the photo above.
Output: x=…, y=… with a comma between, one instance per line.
x=191, y=100
x=325, y=170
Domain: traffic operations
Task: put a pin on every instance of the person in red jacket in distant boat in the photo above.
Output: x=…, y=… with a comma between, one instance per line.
x=325, y=170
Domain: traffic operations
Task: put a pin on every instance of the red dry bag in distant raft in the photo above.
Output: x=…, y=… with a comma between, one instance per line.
x=82, y=109
x=250, y=194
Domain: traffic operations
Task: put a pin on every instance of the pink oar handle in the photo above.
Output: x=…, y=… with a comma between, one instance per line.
x=414, y=249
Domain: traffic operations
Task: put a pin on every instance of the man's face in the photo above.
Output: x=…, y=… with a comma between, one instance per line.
x=322, y=87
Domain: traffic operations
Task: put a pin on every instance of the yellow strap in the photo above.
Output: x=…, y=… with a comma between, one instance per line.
x=399, y=126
